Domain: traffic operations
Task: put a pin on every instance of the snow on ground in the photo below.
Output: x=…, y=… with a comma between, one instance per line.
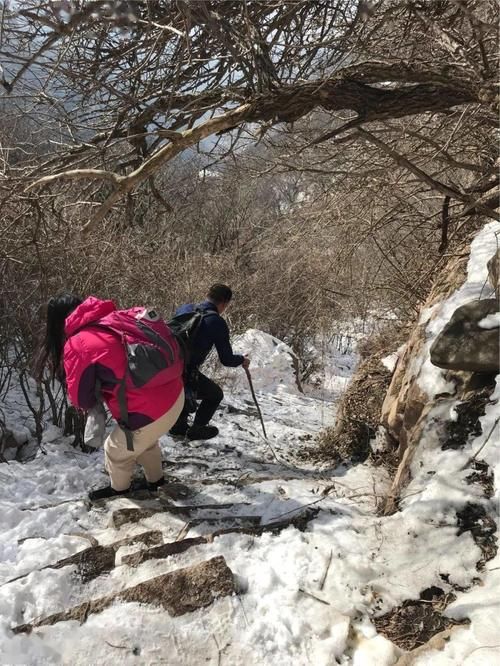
x=337, y=365
x=306, y=597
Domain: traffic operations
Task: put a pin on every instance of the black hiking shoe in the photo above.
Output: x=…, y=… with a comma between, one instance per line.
x=170, y=488
x=156, y=484
x=174, y=491
x=107, y=491
x=202, y=432
x=178, y=431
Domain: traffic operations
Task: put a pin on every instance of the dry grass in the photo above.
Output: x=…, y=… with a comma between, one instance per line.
x=360, y=407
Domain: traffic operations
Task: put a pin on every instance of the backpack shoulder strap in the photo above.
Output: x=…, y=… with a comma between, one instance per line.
x=207, y=313
x=203, y=314
x=121, y=394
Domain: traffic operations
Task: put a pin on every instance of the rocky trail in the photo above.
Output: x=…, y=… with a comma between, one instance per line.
x=271, y=559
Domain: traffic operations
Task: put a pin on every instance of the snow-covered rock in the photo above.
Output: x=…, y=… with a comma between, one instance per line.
x=273, y=363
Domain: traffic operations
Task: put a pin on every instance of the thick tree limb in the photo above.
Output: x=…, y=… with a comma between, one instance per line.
x=285, y=104
x=165, y=154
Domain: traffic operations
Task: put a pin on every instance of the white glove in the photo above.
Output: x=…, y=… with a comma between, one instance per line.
x=95, y=427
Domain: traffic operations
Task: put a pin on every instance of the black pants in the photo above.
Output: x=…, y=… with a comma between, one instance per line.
x=201, y=388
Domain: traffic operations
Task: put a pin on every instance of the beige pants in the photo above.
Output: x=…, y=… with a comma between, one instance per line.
x=120, y=462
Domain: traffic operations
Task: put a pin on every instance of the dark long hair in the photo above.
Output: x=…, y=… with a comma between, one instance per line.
x=58, y=308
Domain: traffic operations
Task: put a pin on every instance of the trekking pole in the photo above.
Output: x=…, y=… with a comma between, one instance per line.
x=249, y=377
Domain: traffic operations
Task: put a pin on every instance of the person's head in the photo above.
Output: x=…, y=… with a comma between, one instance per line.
x=220, y=295
x=58, y=308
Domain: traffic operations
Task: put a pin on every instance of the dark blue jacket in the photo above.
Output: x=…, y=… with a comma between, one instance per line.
x=212, y=331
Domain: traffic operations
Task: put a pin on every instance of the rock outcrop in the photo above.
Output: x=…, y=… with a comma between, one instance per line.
x=464, y=345
x=419, y=400
x=406, y=400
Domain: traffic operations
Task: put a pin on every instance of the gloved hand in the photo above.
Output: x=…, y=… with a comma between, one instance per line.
x=95, y=427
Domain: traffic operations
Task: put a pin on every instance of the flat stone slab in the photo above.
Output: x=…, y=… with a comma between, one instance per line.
x=163, y=551
x=178, y=592
x=97, y=560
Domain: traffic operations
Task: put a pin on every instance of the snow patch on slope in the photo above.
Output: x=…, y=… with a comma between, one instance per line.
x=272, y=364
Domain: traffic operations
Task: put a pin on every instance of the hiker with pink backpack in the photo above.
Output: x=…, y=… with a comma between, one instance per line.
x=130, y=360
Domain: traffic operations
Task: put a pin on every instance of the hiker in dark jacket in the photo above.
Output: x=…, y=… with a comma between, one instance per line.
x=212, y=331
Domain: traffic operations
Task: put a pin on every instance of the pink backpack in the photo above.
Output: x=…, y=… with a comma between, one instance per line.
x=154, y=357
